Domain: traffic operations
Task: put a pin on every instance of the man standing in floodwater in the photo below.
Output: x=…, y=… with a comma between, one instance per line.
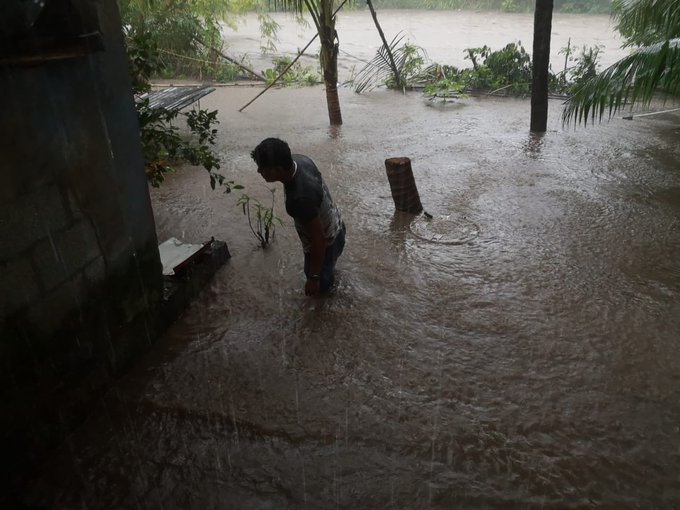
x=309, y=203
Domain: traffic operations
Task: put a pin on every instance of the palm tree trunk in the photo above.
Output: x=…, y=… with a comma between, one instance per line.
x=540, y=67
x=329, y=62
x=333, y=102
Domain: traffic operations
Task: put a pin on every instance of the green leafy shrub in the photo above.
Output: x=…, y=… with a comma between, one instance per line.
x=583, y=67
x=508, y=70
x=511, y=6
x=163, y=146
x=297, y=76
x=161, y=141
x=443, y=81
x=182, y=33
x=225, y=72
x=509, y=67
x=409, y=60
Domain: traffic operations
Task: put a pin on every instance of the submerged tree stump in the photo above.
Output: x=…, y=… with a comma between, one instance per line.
x=403, y=185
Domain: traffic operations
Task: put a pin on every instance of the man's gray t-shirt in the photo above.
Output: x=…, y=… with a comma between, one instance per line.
x=307, y=196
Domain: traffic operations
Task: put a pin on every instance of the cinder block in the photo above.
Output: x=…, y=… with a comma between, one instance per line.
x=77, y=246
x=95, y=272
x=47, y=315
x=62, y=254
x=18, y=285
x=48, y=264
x=16, y=354
x=114, y=236
x=29, y=218
x=29, y=159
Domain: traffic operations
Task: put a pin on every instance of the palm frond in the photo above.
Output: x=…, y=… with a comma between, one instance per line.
x=645, y=22
x=636, y=78
x=379, y=69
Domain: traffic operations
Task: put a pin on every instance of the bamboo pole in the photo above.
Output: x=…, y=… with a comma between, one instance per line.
x=280, y=75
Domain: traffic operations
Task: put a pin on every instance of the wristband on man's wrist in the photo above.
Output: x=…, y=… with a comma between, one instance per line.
x=314, y=277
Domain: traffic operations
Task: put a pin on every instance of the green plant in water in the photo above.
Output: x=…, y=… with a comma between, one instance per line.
x=265, y=219
x=510, y=6
x=224, y=72
x=408, y=58
x=297, y=76
x=508, y=68
x=443, y=81
x=511, y=66
x=583, y=67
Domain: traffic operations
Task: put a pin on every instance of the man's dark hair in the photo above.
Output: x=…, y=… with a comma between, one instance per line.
x=272, y=152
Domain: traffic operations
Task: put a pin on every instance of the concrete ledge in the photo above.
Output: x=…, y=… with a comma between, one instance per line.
x=180, y=289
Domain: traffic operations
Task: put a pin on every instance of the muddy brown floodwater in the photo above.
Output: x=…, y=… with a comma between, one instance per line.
x=531, y=360
x=444, y=35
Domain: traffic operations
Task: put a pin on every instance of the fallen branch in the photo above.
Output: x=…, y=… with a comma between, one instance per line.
x=280, y=75
x=300, y=53
x=229, y=59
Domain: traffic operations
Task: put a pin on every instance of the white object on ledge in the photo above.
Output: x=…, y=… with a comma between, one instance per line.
x=174, y=253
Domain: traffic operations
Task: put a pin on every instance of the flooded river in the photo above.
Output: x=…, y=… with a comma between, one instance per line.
x=444, y=35
x=529, y=361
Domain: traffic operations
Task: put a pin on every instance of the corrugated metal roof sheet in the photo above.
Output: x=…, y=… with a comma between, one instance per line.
x=176, y=98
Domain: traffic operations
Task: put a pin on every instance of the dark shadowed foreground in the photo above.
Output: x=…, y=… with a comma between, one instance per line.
x=527, y=358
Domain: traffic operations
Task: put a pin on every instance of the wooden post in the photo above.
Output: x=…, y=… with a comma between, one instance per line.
x=403, y=185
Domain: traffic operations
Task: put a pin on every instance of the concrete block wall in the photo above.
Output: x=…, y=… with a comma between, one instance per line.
x=80, y=275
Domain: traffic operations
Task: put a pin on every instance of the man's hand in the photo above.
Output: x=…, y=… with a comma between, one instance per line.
x=312, y=287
